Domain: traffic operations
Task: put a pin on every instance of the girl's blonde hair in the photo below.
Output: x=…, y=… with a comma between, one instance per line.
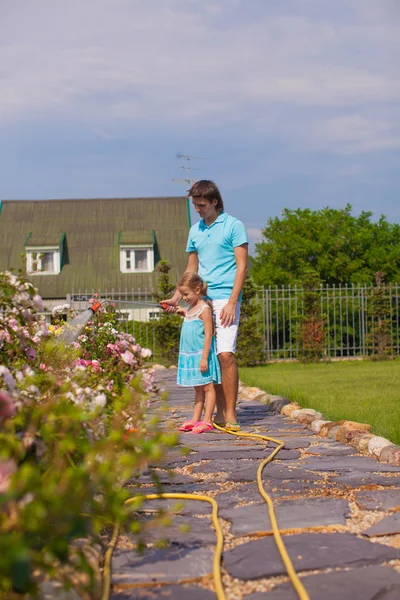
x=193, y=281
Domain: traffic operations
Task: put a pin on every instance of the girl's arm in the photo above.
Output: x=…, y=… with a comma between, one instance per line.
x=206, y=317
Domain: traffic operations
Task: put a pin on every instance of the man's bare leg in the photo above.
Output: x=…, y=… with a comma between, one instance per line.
x=220, y=414
x=228, y=391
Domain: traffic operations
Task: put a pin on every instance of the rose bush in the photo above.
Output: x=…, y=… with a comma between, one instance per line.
x=64, y=449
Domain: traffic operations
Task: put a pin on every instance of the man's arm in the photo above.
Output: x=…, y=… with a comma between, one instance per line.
x=228, y=313
x=192, y=266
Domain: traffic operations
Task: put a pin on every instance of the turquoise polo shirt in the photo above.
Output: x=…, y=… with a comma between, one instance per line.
x=214, y=245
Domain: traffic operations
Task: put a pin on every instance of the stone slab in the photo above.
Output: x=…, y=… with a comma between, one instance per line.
x=156, y=565
x=182, y=531
x=181, y=507
x=388, y=526
x=162, y=476
x=291, y=514
x=192, y=440
x=287, y=471
x=178, y=461
x=170, y=592
x=308, y=551
x=184, y=488
x=248, y=454
x=278, y=488
x=369, y=583
x=228, y=446
x=224, y=468
x=344, y=464
x=275, y=488
x=275, y=406
x=378, y=499
x=331, y=450
x=356, y=479
x=246, y=493
x=292, y=443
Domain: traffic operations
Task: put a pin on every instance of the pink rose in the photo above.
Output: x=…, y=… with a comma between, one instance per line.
x=38, y=303
x=7, y=377
x=7, y=406
x=128, y=358
x=7, y=470
x=30, y=353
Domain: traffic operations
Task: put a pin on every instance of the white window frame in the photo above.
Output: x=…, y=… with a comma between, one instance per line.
x=132, y=248
x=141, y=314
x=30, y=254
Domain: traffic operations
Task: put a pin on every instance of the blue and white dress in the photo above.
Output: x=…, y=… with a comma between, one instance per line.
x=190, y=352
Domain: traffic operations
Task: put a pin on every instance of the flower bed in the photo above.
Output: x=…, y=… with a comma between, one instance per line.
x=72, y=432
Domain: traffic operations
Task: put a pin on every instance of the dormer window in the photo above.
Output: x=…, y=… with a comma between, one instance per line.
x=137, y=259
x=43, y=261
x=44, y=253
x=136, y=251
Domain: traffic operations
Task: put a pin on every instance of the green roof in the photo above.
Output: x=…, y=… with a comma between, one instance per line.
x=137, y=237
x=91, y=231
x=43, y=239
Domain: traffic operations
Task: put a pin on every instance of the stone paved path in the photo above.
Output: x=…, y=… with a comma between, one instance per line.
x=336, y=509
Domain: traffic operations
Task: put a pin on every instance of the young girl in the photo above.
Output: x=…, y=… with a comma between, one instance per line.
x=198, y=364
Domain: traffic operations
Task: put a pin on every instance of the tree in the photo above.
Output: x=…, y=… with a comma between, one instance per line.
x=311, y=331
x=167, y=327
x=337, y=246
x=249, y=350
x=379, y=336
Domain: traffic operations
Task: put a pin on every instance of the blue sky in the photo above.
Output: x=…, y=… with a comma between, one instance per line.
x=293, y=103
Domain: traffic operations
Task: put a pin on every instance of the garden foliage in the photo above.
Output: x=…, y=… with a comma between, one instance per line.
x=167, y=326
x=250, y=343
x=311, y=326
x=380, y=335
x=337, y=246
x=73, y=430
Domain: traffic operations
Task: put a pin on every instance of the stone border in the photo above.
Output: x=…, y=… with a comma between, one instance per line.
x=356, y=434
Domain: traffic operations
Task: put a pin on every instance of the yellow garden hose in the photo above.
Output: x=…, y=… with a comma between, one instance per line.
x=298, y=586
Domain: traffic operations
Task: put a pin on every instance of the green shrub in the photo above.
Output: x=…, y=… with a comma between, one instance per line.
x=249, y=351
x=72, y=432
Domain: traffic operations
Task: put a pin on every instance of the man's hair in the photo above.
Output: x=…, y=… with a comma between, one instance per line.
x=208, y=190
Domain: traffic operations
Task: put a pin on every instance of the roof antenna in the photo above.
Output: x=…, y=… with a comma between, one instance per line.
x=188, y=168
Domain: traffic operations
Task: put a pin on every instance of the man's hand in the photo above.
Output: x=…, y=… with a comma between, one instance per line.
x=203, y=365
x=169, y=305
x=228, y=314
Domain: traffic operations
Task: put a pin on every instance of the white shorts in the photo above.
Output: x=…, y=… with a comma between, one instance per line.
x=226, y=336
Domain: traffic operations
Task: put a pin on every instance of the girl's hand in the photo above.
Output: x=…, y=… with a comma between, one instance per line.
x=203, y=365
x=169, y=305
x=180, y=311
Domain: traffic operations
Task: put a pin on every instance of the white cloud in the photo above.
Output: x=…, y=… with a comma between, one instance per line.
x=254, y=235
x=181, y=61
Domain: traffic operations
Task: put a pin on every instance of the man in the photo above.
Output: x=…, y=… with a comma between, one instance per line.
x=218, y=249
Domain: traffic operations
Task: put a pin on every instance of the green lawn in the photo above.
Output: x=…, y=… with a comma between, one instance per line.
x=363, y=391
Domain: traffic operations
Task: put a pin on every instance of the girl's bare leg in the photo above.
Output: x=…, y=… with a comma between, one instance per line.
x=211, y=398
x=199, y=402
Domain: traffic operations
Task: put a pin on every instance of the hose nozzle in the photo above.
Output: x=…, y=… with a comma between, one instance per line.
x=95, y=307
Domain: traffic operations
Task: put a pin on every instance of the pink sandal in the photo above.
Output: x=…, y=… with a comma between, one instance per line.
x=188, y=425
x=202, y=427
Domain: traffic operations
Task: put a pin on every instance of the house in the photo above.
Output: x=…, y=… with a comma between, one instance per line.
x=71, y=249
